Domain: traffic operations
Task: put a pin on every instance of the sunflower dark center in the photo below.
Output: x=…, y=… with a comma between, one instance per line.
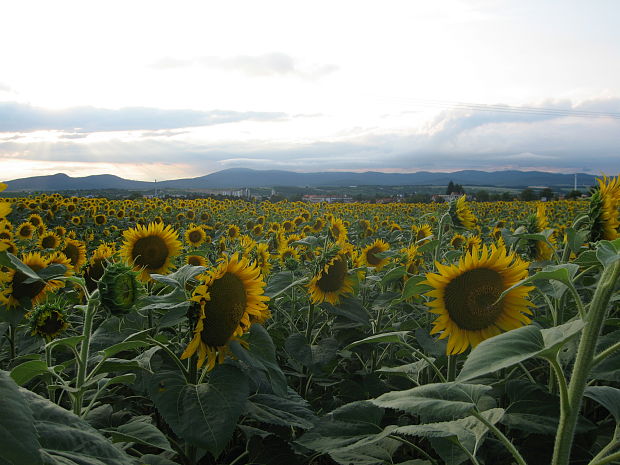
x=458, y=242
x=25, y=231
x=195, y=236
x=224, y=311
x=48, y=242
x=333, y=279
x=371, y=257
x=193, y=260
x=150, y=252
x=470, y=297
x=30, y=290
x=72, y=253
x=51, y=325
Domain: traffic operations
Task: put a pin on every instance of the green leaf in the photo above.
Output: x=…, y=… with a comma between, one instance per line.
x=576, y=239
x=410, y=370
x=206, y=414
x=608, y=252
x=179, y=278
x=393, y=337
x=608, y=397
x=438, y=401
x=71, y=341
x=563, y=274
x=414, y=287
x=515, y=346
x=282, y=282
x=121, y=347
x=394, y=275
x=261, y=355
x=18, y=435
x=275, y=410
x=350, y=308
x=20, y=266
x=587, y=258
x=23, y=373
x=140, y=432
x=151, y=459
x=66, y=439
x=469, y=432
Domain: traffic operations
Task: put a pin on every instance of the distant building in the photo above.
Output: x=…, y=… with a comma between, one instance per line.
x=446, y=197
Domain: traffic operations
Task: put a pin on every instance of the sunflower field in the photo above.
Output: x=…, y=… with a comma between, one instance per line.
x=174, y=331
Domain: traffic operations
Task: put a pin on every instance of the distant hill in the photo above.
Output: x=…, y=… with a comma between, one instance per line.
x=245, y=177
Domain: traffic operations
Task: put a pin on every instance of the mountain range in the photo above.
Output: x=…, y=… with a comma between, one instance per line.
x=236, y=178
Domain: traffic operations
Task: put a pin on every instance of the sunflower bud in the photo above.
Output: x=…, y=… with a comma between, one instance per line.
x=119, y=288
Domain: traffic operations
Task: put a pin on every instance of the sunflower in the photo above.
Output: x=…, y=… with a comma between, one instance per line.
x=76, y=220
x=16, y=290
x=422, y=232
x=150, y=249
x=75, y=251
x=603, y=213
x=262, y=258
x=458, y=241
x=49, y=240
x=466, y=297
x=369, y=254
x=472, y=242
x=195, y=236
x=196, y=260
x=461, y=215
x=412, y=260
x=5, y=207
x=232, y=231
x=288, y=253
x=541, y=250
x=318, y=225
x=48, y=320
x=331, y=282
x=25, y=231
x=100, y=219
x=338, y=230
x=231, y=298
x=35, y=220
x=96, y=267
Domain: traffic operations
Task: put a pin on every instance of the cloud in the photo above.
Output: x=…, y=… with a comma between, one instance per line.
x=19, y=117
x=453, y=141
x=268, y=64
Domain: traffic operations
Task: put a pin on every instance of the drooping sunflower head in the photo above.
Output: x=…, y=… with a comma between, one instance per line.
x=467, y=297
x=412, y=259
x=195, y=236
x=150, y=249
x=331, y=282
x=48, y=320
x=462, y=216
x=231, y=298
x=604, y=210
x=370, y=254
x=458, y=241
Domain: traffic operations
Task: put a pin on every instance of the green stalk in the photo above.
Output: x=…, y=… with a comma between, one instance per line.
x=451, y=368
x=190, y=449
x=583, y=364
x=48, y=361
x=503, y=439
x=605, y=353
x=91, y=309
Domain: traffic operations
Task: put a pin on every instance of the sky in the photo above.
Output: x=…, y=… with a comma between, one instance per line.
x=165, y=90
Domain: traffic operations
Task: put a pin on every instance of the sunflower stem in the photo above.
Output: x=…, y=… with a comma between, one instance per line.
x=439, y=237
x=609, y=459
x=91, y=309
x=48, y=361
x=605, y=353
x=615, y=442
x=503, y=439
x=583, y=364
x=11, y=338
x=451, y=368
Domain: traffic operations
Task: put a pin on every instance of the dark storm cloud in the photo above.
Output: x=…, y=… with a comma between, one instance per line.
x=19, y=117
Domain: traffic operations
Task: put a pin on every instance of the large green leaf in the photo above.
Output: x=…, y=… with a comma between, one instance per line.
x=393, y=337
x=18, y=437
x=140, y=431
x=608, y=397
x=438, y=401
x=515, y=346
x=24, y=372
x=261, y=356
x=469, y=432
x=66, y=439
x=608, y=252
x=275, y=410
x=205, y=414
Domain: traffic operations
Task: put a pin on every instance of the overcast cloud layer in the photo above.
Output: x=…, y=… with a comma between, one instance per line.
x=319, y=86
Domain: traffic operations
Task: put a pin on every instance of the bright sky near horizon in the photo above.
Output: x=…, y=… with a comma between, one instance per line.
x=162, y=90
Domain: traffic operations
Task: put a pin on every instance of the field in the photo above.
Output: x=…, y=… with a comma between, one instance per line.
x=205, y=331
